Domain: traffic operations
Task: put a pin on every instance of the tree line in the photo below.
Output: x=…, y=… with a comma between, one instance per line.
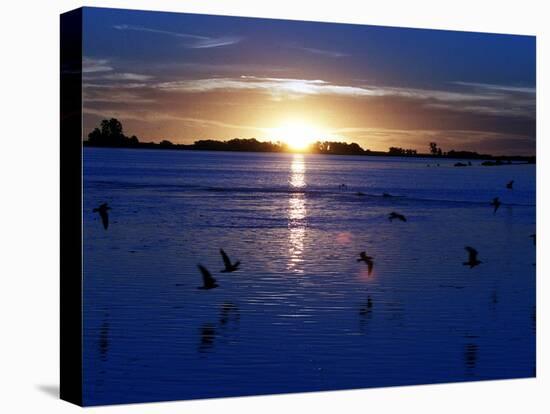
x=110, y=134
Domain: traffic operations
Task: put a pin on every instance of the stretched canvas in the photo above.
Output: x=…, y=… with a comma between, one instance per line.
x=258, y=206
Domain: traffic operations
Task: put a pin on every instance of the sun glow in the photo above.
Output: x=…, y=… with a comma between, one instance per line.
x=298, y=135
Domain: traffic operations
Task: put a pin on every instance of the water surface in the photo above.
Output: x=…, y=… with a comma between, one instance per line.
x=302, y=314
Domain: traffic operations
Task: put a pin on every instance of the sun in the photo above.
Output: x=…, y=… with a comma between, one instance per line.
x=298, y=135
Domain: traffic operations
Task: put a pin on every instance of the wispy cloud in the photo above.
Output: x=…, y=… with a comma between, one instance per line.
x=91, y=65
x=115, y=97
x=128, y=76
x=114, y=86
x=322, y=52
x=502, y=88
x=97, y=71
x=501, y=100
x=191, y=41
x=278, y=86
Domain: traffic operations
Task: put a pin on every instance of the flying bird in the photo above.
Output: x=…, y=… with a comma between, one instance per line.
x=102, y=210
x=393, y=215
x=496, y=204
x=472, y=257
x=207, y=279
x=368, y=260
x=510, y=185
x=229, y=267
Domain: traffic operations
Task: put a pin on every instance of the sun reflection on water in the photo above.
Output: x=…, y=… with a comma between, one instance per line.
x=297, y=214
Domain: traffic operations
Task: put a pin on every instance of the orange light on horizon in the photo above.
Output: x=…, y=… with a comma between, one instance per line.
x=297, y=135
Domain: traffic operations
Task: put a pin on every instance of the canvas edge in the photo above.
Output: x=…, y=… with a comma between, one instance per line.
x=71, y=206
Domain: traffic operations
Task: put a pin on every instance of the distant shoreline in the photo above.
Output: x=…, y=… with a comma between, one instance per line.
x=497, y=160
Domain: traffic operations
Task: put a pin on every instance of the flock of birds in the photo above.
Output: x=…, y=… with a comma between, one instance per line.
x=209, y=282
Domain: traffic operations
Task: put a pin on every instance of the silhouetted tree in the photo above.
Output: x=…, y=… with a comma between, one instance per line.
x=110, y=134
x=401, y=151
x=111, y=128
x=337, y=148
x=134, y=141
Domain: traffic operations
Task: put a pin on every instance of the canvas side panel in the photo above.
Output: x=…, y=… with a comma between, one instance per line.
x=71, y=207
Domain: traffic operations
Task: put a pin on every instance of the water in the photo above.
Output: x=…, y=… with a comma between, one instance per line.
x=302, y=314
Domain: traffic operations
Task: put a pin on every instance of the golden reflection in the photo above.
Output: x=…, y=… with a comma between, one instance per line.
x=297, y=172
x=297, y=214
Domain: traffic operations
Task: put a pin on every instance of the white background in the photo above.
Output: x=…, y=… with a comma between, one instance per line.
x=29, y=206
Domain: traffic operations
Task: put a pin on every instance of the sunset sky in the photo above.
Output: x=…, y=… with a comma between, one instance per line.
x=185, y=77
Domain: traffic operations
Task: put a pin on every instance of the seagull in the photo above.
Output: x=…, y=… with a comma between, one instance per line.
x=102, y=210
x=208, y=280
x=496, y=204
x=229, y=267
x=534, y=237
x=510, y=185
x=367, y=260
x=393, y=215
x=472, y=257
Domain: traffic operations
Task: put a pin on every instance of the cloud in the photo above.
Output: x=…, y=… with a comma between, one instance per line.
x=309, y=87
x=91, y=65
x=495, y=100
x=191, y=41
x=322, y=52
x=128, y=76
x=502, y=88
x=234, y=68
x=115, y=86
x=116, y=97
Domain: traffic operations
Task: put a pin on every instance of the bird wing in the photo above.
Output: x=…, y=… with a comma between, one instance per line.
x=370, y=265
x=225, y=258
x=104, y=218
x=207, y=277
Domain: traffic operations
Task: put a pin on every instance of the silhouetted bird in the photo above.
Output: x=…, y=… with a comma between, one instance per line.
x=496, y=204
x=393, y=215
x=534, y=237
x=367, y=260
x=510, y=185
x=102, y=210
x=207, y=279
x=472, y=257
x=229, y=267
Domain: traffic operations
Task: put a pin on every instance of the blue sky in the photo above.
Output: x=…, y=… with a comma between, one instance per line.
x=184, y=77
